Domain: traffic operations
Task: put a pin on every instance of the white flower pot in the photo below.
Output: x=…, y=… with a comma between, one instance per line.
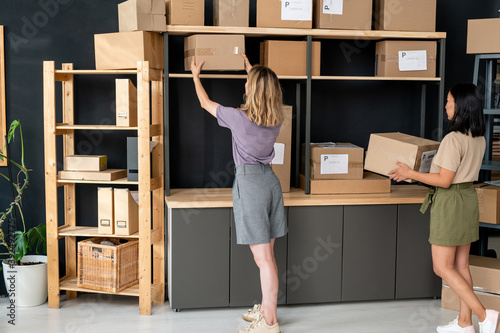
x=28, y=283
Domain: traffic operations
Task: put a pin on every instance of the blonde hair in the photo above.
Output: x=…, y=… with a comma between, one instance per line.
x=264, y=102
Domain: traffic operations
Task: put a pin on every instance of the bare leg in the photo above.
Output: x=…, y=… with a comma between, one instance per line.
x=462, y=266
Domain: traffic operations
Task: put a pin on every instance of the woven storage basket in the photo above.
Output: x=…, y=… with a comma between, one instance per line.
x=106, y=267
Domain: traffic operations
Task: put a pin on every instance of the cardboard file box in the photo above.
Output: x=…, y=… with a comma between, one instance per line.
x=133, y=159
x=406, y=58
x=126, y=103
x=231, y=13
x=105, y=211
x=122, y=50
x=483, y=36
x=147, y=15
x=220, y=52
x=126, y=212
x=185, y=12
x=385, y=149
x=284, y=14
x=343, y=14
x=371, y=183
x=85, y=162
x=405, y=15
x=277, y=55
x=105, y=175
x=282, y=161
x=335, y=161
x=489, y=203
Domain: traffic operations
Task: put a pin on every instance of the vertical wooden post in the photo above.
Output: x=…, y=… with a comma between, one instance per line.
x=3, y=116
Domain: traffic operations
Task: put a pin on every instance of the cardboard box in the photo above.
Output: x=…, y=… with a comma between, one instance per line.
x=284, y=14
x=385, y=149
x=185, y=12
x=350, y=14
x=275, y=54
x=483, y=36
x=489, y=203
x=449, y=300
x=134, y=15
x=282, y=161
x=405, y=15
x=406, y=58
x=220, y=52
x=335, y=161
x=371, y=183
x=85, y=162
x=126, y=103
x=105, y=175
x=126, y=212
x=485, y=273
x=231, y=13
x=105, y=211
x=122, y=50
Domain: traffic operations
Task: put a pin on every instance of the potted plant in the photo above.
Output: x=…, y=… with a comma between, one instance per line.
x=25, y=276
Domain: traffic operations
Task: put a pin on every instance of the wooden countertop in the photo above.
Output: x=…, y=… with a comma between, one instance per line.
x=222, y=197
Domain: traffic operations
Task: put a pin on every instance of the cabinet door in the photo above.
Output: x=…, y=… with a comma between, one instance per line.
x=198, y=257
x=369, y=262
x=415, y=277
x=314, y=254
x=245, y=287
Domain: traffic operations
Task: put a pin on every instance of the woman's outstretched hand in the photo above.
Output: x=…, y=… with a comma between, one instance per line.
x=248, y=67
x=196, y=69
x=401, y=173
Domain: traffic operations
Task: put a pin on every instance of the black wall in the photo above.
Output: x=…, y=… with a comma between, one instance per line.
x=63, y=30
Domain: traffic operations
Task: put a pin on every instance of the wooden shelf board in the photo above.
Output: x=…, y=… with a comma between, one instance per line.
x=96, y=71
x=73, y=231
x=375, y=78
x=95, y=127
x=232, y=76
x=70, y=283
x=315, y=33
x=121, y=181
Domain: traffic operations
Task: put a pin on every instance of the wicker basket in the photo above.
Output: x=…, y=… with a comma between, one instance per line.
x=106, y=267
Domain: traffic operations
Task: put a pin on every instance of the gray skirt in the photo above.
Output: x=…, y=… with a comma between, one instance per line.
x=258, y=208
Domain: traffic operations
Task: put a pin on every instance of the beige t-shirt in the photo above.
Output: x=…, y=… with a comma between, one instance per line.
x=462, y=154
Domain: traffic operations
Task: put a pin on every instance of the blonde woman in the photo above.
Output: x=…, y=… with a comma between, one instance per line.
x=258, y=208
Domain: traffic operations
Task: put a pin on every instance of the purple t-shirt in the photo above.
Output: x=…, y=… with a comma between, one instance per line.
x=252, y=143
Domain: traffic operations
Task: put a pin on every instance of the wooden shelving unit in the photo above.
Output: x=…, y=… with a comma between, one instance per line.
x=151, y=287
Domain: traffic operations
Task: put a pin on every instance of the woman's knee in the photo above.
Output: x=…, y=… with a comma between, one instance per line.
x=441, y=270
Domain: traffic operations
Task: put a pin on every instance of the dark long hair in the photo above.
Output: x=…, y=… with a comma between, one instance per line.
x=468, y=115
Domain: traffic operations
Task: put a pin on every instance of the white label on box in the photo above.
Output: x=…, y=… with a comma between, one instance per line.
x=334, y=164
x=426, y=161
x=413, y=60
x=279, y=154
x=335, y=7
x=235, y=51
x=296, y=10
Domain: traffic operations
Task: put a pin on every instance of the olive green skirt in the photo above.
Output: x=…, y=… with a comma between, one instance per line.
x=454, y=215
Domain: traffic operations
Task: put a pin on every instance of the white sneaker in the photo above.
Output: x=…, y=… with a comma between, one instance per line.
x=490, y=324
x=454, y=327
x=260, y=326
x=252, y=314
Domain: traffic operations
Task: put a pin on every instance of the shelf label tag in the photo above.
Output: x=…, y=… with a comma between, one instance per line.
x=279, y=153
x=335, y=7
x=413, y=60
x=426, y=161
x=334, y=164
x=296, y=10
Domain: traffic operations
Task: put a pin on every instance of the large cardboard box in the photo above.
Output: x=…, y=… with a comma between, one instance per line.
x=185, y=12
x=282, y=161
x=485, y=273
x=284, y=14
x=122, y=50
x=405, y=15
x=220, y=52
x=483, y=36
x=147, y=15
x=276, y=54
x=449, y=300
x=126, y=103
x=406, y=58
x=371, y=183
x=126, y=212
x=104, y=175
x=231, y=13
x=385, y=149
x=343, y=14
x=85, y=162
x=335, y=161
x=489, y=203
x=105, y=211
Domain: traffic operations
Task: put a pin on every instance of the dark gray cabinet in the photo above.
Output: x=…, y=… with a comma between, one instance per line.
x=369, y=258
x=245, y=287
x=414, y=274
x=314, y=254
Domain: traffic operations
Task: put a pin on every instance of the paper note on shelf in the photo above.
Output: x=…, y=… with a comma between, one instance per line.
x=426, y=161
x=334, y=164
x=279, y=153
x=413, y=60
x=493, y=182
x=335, y=7
x=296, y=10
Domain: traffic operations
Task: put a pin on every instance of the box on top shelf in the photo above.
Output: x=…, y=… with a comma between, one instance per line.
x=340, y=14
x=231, y=13
x=385, y=149
x=147, y=15
x=122, y=50
x=185, y=12
x=335, y=161
x=284, y=14
x=220, y=52
x=405, y=15
x=275, y=54
x=371, y=183
x=85, y=162
x=282, y=160
x=489, y=203
x=406, y=58
x=483, y=36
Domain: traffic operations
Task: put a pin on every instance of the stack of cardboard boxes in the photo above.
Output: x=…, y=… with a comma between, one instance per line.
x=89, y=167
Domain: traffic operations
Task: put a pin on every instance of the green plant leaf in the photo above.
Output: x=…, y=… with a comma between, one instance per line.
x=12, y=130
x=20, y=245
x=37, y=239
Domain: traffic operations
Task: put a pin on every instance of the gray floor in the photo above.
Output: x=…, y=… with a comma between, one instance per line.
x=107, y=314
